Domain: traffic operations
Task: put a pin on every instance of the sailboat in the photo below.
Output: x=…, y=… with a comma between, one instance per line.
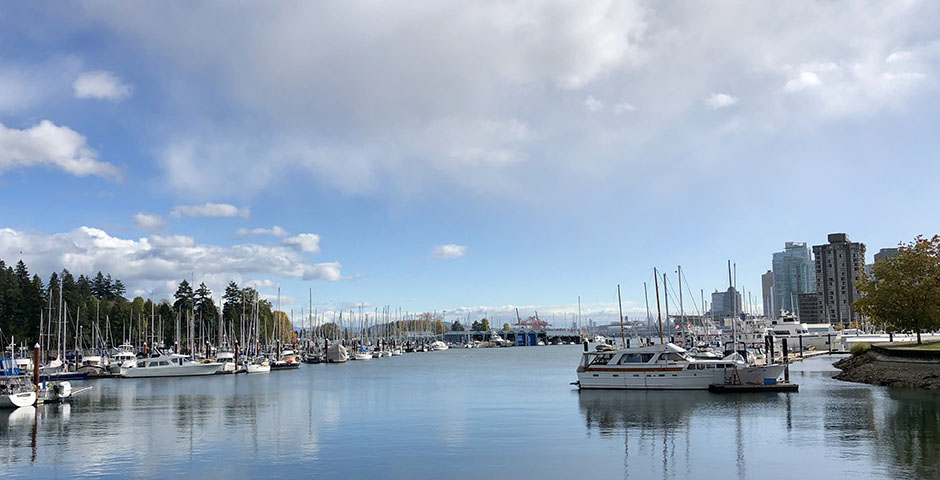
x=15, y=388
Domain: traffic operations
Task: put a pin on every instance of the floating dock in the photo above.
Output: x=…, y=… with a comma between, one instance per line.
x=778, y=387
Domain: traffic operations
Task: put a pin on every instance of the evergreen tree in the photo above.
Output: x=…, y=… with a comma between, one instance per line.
x=117, y=289
x=184, y=297
x=100, y=286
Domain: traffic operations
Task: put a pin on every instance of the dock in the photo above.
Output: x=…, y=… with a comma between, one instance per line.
x=778, y=387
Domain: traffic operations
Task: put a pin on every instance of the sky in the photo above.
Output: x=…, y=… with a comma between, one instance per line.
x=461, y=157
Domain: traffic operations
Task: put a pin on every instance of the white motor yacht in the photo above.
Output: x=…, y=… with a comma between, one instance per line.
x=666, y=367
x=173, y=365
x=227, y=359
x=438, y=345
x=812, y=337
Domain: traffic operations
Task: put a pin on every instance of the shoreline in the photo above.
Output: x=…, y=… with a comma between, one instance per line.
x=879, y=366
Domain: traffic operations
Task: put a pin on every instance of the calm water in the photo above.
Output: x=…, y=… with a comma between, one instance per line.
x=498, y=413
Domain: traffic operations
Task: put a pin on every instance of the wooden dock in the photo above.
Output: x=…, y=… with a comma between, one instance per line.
x=779, y=387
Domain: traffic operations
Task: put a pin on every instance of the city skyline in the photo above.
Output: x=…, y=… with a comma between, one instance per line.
x=500, y=157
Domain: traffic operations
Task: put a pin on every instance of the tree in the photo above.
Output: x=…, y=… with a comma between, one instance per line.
x=101, y=286
x=438, y=326
x=481, y=326
x=456, y=326
x=184, y=297
x=903, y=292
x=330, y=330
x=506, y=327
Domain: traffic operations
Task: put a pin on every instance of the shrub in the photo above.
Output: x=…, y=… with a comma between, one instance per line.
x=859, y=348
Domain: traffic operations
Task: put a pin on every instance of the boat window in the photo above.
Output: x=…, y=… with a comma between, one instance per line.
x=674, y=357
x=646, y=357
x=602, y=359
x=631, y=358
x=141, y=364
x=164, y=363
x=710, y=365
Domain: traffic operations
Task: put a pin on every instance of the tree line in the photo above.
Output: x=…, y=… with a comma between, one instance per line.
x=97, y=307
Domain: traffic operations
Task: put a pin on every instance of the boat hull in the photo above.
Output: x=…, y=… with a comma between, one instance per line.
x=16, y=400
x=191, y=370
x=255, y=368
x=673, y=378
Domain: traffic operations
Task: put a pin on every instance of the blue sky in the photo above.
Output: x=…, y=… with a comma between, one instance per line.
x=460, y=157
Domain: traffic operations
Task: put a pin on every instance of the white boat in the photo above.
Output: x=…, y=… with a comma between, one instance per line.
x=362, y=355
x=666, y=367
x=227, y=359
x=437, y=346
x=123, y=359
x=397, y=352
x=812, y=336
x=173, y=365
x=258, y=366
x=15, y=389
x=56, y=391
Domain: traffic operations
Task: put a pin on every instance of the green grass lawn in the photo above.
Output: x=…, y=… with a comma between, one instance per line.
x=915, y=346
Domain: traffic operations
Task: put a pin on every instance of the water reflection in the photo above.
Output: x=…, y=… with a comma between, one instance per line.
x=911, y=433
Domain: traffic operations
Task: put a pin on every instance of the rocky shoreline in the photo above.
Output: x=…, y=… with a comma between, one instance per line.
x=876, y=369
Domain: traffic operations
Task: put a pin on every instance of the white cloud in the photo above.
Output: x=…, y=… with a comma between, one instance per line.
x=716, y=101
x=148, y=222
x=624, y=107
x=805, y=80
x=593, y=104
x=899, y=57
x=449, y=251
x=101, y=85
x=158, y=262
x=306, y=242
x=47, y=144
x=210, y=210
x=467, y=72
x=274, y=231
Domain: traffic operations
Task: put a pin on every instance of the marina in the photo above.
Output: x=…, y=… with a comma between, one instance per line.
x=441, y=412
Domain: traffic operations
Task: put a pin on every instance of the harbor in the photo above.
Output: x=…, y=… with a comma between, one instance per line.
x=440, y=413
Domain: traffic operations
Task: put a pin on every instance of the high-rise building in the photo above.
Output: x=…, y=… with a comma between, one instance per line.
x=811, y=308
x=726, y=304
x=885, y=253
x=767, y=290
x=839, y=264
x=794, y=274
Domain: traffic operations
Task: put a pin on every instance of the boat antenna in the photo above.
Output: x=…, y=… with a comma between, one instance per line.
x=658, y=312
x=623, y=340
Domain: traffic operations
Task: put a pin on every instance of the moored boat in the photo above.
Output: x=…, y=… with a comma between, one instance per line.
x=667, y=367
x=15, y=388
x=173, y=365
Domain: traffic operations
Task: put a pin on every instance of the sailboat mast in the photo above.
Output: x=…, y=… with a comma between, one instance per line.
x=623, y=340
x=658, y=312
x=649, y=318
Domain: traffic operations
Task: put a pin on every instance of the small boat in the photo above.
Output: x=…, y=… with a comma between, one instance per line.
x=93, y=366
x=362, y=355
x=173, y=365
x=56, y=391
x=122, y=360
x=397, y=352
x=336, y=353
x=227, y=359
x=438, y=345
x=288, y=361
x=15, y=388
x=258, y=366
